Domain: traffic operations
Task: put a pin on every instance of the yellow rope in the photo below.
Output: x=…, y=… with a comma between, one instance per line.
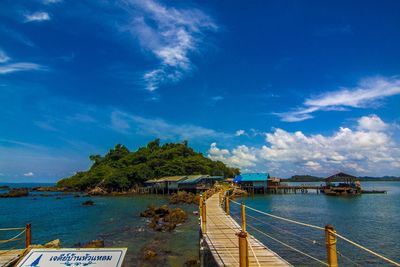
x=11, y=229
x=365, y=249
x=320, y=228
x=281, y=218
x=13, y=238
x=289, y=246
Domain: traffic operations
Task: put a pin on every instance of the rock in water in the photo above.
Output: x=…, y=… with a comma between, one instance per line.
x=88, y=203
x=97, y=243
x=97, y=191
x=16, y=192
x=164, y=218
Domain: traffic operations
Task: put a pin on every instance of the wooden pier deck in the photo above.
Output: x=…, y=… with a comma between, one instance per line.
x=9, y=256
x=221, y=238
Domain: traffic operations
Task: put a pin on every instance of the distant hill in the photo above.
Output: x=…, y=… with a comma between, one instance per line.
x=121, y=169
x=310, y=178
x=304, y=178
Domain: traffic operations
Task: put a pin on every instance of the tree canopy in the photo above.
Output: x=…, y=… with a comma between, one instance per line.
x=121, y=169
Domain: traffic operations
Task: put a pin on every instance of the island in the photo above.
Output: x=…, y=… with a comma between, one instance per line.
x=121, y=170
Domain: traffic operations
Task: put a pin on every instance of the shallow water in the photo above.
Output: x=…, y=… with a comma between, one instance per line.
x=114, y=219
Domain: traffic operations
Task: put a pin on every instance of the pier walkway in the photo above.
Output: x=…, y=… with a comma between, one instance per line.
x=221, y=237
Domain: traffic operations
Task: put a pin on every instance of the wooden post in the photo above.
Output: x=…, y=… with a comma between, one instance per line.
x=227, y=205
x=28, y=235
x=243, y=212
x=243, y=249
x=204, y=217
x=330, y=241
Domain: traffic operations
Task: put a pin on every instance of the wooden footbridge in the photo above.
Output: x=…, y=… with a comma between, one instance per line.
x=224, y=237
x=226, y=243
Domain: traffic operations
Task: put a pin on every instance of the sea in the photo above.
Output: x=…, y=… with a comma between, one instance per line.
x=372, y=220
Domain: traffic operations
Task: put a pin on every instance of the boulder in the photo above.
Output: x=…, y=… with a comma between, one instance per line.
x=164, y=218
x=97, y=243
x=97, y=191
x=16, y=192
x=88, y=203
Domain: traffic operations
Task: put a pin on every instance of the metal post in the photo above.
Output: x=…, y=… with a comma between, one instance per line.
x=227, y=205
x=330, y=241
x=204, y=217
x=243, y=249
x=243, y=213
x=28, y=235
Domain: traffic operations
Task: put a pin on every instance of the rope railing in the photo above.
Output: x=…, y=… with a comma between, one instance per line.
x=328, y=231
x=23, y=230
x=281, y=218
x=366, y=249
x=15, y=238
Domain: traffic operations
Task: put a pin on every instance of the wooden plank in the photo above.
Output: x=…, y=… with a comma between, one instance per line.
x=223, y=242
x=9, y=256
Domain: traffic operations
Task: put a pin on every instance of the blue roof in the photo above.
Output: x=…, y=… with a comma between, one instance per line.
x=251, y=177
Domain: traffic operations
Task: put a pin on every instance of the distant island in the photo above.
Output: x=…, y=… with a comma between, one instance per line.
x=310, y=178
x=121, y=170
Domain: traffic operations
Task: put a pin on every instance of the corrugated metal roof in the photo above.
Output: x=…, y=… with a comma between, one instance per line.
x=251, y=177
x=192, y=179
x=172, y=178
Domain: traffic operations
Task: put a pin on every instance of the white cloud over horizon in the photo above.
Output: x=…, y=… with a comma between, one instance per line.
x=171, y=35
x=37, y=16
x=28, y=174
x=366, y=94
x=368, y=149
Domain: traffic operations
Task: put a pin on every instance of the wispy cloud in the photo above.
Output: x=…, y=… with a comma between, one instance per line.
x=37, y=16
x=128, y=124
x=20, y=66
x=365, y=94
x=29, y=174
x=49, y=2
x=3, y=57
x=16, y=35
x=171, y=35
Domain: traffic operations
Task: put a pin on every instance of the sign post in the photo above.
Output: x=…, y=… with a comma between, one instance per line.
x=98, y=257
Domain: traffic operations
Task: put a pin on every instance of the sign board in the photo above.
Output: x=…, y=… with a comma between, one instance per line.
x=99, y=257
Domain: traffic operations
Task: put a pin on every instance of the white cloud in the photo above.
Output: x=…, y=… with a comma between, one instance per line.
x=171, y=35
x=241, y=157
x=48, y=2
x=372, y=123
x=365, y=94
x=127, y=123
x=20, y=66
x=29, y=174
x=365, y=150
x=240, y=133
x=3, y=57
x=37, y=16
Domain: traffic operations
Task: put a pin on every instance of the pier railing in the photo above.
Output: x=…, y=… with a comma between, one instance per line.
x=17, y=238
x=322, y=237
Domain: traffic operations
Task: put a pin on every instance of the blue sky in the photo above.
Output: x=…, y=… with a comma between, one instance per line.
x=278, y=86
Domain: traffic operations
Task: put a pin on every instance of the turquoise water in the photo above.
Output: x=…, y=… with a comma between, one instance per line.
x=114, y=219
x=371, y=220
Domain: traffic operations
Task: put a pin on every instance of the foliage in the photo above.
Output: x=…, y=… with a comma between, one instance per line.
x=304, y=178
x=121, y=169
